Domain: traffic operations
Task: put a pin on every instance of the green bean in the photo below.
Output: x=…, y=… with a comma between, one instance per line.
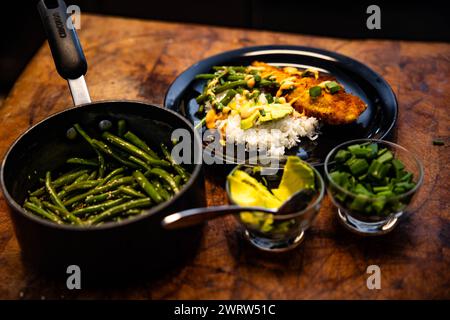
x=101, y=189
x=120, y=208
x=83, y=133
x=164, y=175
x=132, y=149
x=97, y=207
x=92, y=176
x=53, y=208
x=132, y=212
x=57, y=201
x=103, y=147
x=88, y=184
x=66, y=179
x=139, y=162
x=111, y=175
x=41, y=212
x=131, y=192
x=177, y=180
x=82, y=161
x=86, y=137
x=116, y=177
x=235, y=77
x=36, y=201
x=202, y=98
x=121, y=127
x=84, y=177
x=200, y=124
x=166, y=186
x=108, y=192
x=63, y=180
x=205, y=76
x=228, y=97
x=179, y=169
x=230, y=85
x=134, y=139
x=147, y=186
x=102, y=196
x=160, y=189
x=228, y=68
x=268, y=83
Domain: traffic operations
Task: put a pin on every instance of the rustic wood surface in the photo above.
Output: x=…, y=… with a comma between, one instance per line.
x=133, y=59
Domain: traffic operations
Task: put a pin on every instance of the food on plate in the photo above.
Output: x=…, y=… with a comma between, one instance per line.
x=250, y=188
x=125, y=177
x=247, y=104
x=371, y=180
x=314, y=94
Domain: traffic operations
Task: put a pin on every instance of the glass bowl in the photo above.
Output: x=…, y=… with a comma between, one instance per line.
x=364, y=219
x=277, y=232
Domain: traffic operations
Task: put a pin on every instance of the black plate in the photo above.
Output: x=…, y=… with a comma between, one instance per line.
x=376, y=122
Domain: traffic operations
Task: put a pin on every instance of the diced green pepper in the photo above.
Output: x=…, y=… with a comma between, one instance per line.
x=358, y=167
x=407, y=177
x=405, y=185
x=398, y=165
x=378, y=204
x=360, y=189
x=340, y=196
x=385, y=157
x=384, y=170
x=385, y=193
x=374, y=169
x=375, y=176
x=373, y=150
x=342, y=155
x=382, y=188
x=359, y=202
x=354, y=147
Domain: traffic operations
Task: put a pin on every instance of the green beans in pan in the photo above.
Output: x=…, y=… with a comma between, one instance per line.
x=111, y=187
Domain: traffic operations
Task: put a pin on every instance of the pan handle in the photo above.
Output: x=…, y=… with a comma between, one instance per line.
x=66, y=49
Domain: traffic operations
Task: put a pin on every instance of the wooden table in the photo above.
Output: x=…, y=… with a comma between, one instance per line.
x=135, y=59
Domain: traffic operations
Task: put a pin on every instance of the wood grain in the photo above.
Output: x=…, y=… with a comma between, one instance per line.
x=138, y=60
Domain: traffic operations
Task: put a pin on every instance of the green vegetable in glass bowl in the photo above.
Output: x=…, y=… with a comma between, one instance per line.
x=372, y=182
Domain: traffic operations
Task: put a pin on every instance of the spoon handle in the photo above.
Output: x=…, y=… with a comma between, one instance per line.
x=190, y=217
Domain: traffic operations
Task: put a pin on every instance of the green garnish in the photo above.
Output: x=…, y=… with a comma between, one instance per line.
x=315, y=91
x=333, y=87
x=375, y=178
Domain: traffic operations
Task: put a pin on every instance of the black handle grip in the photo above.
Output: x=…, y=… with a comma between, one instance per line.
x=64, y=44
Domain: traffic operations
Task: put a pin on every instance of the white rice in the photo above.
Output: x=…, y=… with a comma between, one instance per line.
x=272, y=137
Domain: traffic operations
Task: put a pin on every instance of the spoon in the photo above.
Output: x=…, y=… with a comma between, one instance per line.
x=190, y=217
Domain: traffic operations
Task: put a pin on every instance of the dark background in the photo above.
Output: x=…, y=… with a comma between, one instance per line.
x=21, y=33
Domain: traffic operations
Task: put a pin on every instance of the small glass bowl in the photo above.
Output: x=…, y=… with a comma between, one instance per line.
x=370, y=224
x=272, y=232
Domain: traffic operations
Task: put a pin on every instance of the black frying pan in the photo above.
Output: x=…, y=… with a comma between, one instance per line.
x=138, y=243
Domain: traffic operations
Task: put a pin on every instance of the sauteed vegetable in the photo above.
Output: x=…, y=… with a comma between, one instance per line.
x=125, y=177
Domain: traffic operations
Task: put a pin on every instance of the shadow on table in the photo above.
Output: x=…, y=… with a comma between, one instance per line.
x=125, y=270
x=393, y=245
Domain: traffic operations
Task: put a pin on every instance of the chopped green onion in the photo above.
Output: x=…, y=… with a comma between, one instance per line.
x=315, y=91
x=333, y=86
